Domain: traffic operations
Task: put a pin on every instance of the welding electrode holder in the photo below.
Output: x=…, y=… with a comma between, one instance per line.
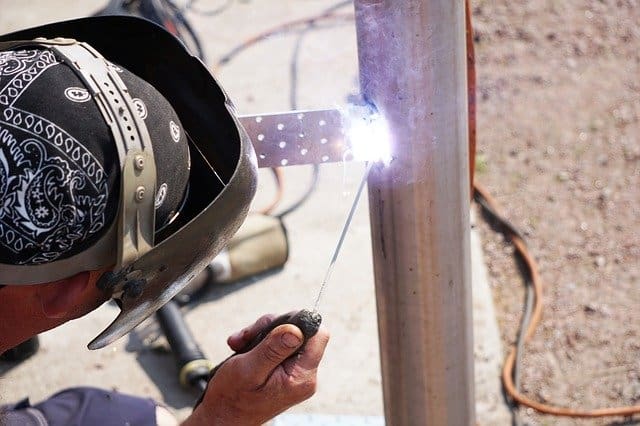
x=22, y=351
x=307, y=321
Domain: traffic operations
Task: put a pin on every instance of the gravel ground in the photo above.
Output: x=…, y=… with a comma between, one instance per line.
x=558, y=118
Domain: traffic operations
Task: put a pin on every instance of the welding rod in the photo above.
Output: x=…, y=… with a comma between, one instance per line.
x=343, y=234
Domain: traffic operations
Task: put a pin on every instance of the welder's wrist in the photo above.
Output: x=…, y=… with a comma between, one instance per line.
x=203, y=416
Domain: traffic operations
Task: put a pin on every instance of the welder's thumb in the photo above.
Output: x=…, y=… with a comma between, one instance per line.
x=279, y=345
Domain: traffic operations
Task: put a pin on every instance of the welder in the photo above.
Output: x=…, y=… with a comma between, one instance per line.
x=123, y=172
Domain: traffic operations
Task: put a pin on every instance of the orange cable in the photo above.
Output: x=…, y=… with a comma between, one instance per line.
x=507, y=371
x=287, y=26
x=278, y=175
x=471, y=92
x=521, y=248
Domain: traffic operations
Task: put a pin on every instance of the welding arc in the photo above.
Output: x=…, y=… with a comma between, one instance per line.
x=507, y=371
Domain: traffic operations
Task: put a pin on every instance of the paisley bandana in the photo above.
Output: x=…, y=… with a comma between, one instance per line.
x=59, y=170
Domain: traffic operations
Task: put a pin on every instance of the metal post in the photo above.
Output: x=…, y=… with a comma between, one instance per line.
x=413, y=68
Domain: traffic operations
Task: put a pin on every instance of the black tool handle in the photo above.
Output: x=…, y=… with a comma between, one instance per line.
x=193, y=365
x=307, y=321
x=22, y=351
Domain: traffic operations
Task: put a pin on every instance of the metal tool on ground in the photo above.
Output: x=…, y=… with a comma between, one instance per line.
x=22, y=351
x=194, y=367
x=260, y=246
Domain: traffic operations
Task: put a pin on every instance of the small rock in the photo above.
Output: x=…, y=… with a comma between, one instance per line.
x=594, y=308
x=600, y=261
x=544, y=396
x=632, y=391
x=603, y=159
x=605, y=194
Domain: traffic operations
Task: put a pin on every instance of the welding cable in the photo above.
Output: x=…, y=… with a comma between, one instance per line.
x=278, y=172
x=184, y=29
x=502, y=225
x=295, y=25
x=506, y=225
x=471, y=92
x=293, y=104
x=190, y=7
x=293, y=100
x=533, y=302
x=328, y=15
x=315, y=174
x=306, y=24
x=508, y=370
x=278, y=176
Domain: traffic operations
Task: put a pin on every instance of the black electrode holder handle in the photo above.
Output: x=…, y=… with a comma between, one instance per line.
x=22, y=351
x=307, y=321
x=194, y=367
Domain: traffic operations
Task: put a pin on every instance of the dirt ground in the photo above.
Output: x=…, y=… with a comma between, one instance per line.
x=558, y=119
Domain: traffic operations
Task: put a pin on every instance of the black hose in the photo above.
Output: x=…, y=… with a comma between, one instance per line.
x=192, y=364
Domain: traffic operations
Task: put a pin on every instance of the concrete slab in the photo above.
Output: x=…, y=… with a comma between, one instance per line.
x=258, y=81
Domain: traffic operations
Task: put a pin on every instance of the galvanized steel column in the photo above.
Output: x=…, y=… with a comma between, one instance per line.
x=413, y=69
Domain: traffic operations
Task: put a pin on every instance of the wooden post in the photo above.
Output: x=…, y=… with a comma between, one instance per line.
x=413, y=69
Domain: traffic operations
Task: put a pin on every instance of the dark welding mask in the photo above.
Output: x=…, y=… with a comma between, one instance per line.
x=65, y=233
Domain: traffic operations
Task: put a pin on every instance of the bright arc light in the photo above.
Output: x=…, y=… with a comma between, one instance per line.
x=368, y=135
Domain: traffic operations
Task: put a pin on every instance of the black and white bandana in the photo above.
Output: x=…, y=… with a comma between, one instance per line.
x=59, y=168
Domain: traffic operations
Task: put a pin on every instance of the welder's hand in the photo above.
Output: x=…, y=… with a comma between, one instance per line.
x=252, y=388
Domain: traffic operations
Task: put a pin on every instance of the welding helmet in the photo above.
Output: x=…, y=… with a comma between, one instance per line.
x=151, y=263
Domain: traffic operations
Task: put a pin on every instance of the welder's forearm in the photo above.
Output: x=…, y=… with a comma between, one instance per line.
x=203, y=418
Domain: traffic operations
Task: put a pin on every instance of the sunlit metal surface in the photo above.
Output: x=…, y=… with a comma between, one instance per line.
x=297, y=137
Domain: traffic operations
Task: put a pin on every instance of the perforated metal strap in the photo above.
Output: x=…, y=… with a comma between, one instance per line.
x=136, y=215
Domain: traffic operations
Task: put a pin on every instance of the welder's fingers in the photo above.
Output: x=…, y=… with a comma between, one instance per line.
x=253, y=387
x=310, y=356
x=259, y=363
x=240, y=339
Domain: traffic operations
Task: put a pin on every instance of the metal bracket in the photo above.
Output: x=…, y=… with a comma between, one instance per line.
x=298, y=137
